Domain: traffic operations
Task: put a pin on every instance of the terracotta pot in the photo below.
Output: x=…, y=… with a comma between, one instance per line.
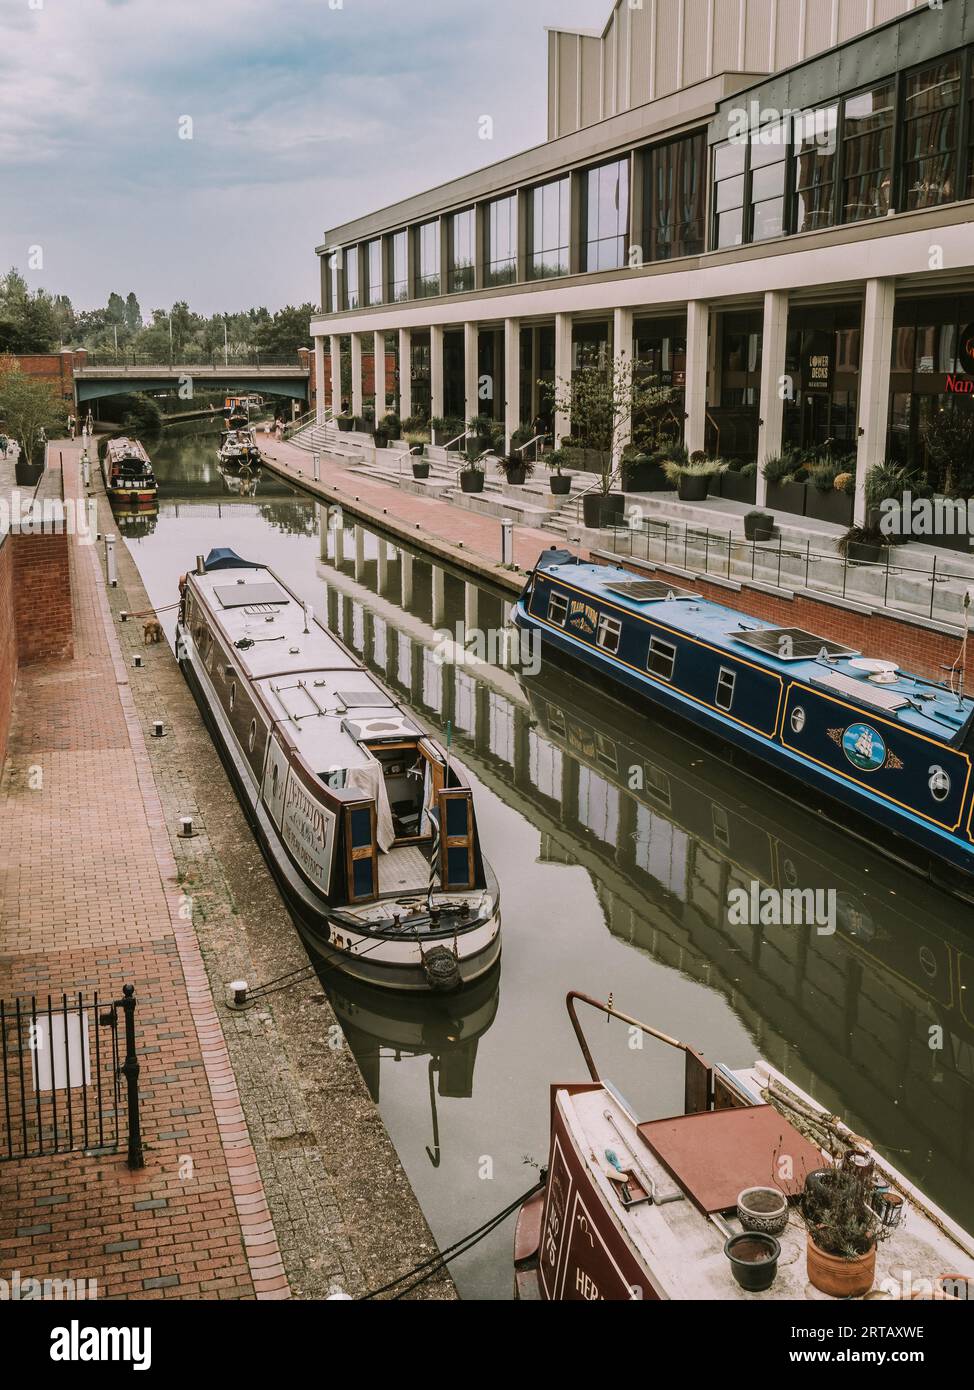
x=838, y=1277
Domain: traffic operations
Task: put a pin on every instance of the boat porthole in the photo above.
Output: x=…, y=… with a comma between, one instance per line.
x=939, y=784
x=797, y=719
x=274, y=781
x=928, y=962
x=253, y=735
x=233, y=693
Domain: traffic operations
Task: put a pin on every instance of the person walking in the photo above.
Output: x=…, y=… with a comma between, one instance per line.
x=72, y=425
x=3, y=445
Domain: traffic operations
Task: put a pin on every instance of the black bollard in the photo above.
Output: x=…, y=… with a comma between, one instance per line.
x=130, y=1068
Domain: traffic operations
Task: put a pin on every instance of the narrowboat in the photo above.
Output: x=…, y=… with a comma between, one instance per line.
x=127, y=472
x=654, y=1209
x=367, y=823
x=239, y=450
x=893, y=750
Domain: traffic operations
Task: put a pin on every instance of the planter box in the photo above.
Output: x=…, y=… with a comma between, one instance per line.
x=787, y=497
x=645, y=476
x=736, y=487
x=471, y=480
x=560, y=485
x=828, y=506
x=694, y=488
x=758, y=526
x=421, y=471
x=516, y=477
x=585, y=460
x=346, y=423
x=860, y=553
x=600, y=511
x=443, y=437
x=27, y=474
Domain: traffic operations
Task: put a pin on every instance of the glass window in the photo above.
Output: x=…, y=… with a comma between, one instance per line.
x=930, y=132
x=726, y=682
x=557, y=609
x=501, y=241
x=374, y=254
x=606, y=217
x=399, y=263
x=662, y=658
x=769, y=163
x=462, y=258
x=729, y=163
x=334, y=266
x=675, y=193
x=867, y=154
x=351, y=277
x=549, y=231
x=428, y=255
x=609, y=633
x=815, y=146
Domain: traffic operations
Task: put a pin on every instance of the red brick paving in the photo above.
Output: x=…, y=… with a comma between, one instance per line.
x=89, y=897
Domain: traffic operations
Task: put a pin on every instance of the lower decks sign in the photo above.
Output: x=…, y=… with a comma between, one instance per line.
x=309, y=833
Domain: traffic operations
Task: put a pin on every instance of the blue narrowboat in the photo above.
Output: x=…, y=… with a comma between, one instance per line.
x=892, y=749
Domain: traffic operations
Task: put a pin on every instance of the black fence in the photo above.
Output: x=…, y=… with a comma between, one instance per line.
x=60, y=1087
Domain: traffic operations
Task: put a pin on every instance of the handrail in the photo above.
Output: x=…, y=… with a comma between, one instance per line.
x=472, y=463
x=449, y=446
x=611, y=1012
x=521, y=448
x=596, y=486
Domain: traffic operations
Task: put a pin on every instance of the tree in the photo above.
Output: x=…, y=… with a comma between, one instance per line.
x=602, y=401
x=288, y=330
x=28, y=407
x=949, y=438
x=133, y=313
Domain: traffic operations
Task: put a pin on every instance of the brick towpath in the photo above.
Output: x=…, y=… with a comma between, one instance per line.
x=89, y=898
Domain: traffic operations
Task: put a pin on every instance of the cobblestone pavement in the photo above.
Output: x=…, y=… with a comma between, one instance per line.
x=296, y=1186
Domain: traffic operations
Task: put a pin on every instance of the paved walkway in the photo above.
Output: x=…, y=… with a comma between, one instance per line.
x=89, y=898
x=456, y=528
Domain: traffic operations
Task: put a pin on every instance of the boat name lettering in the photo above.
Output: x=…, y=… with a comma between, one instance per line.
x=583, y=616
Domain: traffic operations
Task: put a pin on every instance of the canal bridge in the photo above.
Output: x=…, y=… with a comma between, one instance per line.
x=95, y=382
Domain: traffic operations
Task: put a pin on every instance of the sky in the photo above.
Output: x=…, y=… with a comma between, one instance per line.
x=198, y=149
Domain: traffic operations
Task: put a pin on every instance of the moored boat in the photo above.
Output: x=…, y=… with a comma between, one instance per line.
x=893, y=749
x=659, y=1209
x=239, y=450
x=127, y=471
x=367, y=823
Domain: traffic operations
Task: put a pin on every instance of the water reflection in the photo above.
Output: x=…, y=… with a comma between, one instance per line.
x=616, y=843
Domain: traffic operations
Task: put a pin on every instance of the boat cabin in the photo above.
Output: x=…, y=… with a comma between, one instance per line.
x=127, y=467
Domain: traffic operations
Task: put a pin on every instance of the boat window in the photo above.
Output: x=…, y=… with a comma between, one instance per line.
x=610, y=631
x=726, y=681
x=233, y=694
x=253, y=735
x=558, y=609
x=662, y=658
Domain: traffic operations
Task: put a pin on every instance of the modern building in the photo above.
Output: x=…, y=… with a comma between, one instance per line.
x=768, y=202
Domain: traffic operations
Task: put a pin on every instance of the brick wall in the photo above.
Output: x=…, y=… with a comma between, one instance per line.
x=911, y=645
x=42, y=598
x=8, y=642
x=57, y=368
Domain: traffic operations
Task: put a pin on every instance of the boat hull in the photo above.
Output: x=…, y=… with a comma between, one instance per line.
x=941, y=855
x=395, y=965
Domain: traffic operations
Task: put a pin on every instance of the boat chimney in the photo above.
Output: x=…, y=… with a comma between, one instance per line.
x=308, y=615
x=200, y=565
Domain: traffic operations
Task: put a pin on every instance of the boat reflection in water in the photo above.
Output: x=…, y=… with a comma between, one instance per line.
x=241, y=481
x=381, y=1026
x=134, y=522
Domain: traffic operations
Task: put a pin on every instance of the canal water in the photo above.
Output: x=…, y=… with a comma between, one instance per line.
x=617, y=844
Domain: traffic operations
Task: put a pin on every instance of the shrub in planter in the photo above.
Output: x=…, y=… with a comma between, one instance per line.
x=843, y=1233
x=389, y=427
x=445, y=431
x=644, y=473
x=515, y=468
x=346, y=423
x=865, y=545
x=825, y=499
x=740, y=484
x=601, y=509
x=472, y=479
x=480, y=432
x=785, y=478
x=758, y=526
x=693, y=479
x=421, y=470
x=559, y=484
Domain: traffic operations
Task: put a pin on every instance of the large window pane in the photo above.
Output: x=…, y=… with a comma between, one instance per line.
x=815, y=147
x=769, y=150
x=549, y=230
x=351, y=277
x=729, y=164
x=428, y=250
x=375, y=272
x=607, y=216
x=930, y=134
x=675, y=191
x=399, y=261
x=501, y=241
x=867, y=152
x=462, y=244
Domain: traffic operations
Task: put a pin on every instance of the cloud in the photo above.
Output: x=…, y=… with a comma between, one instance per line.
x=302, y=115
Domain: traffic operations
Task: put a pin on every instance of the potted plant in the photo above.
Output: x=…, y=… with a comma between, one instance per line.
x=864, y=545
x=421, y=469
x=472, y=477
x=445, y=431
x=740, y=482
x=604, y=402
x=843, y=1232
x=516, y=468
x=786, y=480
x=826, y=497
x=758, y=526
x=753, y=1258
x=345, y=422
x=693, y=478
x=559, y=483
x=480, y=432
x=886, y=484
x=387, y=429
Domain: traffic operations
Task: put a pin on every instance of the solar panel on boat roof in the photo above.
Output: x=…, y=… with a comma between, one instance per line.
x=243, y=595
x=364, y=699
x=649, y=590
x=860, y=690
x=791, y=644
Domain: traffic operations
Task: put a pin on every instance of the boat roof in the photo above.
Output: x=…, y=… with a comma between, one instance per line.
x=311, y=684
x=823, y=664
x=682, y=1248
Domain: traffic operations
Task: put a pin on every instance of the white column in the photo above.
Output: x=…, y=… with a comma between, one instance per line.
x=359, y=553
x=405, y=578
x=471, y=605
x=405, y=373
x=340, y=544
x=436, y=370
x=512, y=379
x=439, y=596
x=383, y=566
x=357, y=403
x=320, y=381
x=471, y=376
x=563, y=371
x=622, y=353
x=698, y=322
x=874, y=375
x=379, y=373
x=336, y=373
x=771, y=410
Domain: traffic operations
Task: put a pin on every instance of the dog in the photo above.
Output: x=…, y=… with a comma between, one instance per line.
x=152, y=632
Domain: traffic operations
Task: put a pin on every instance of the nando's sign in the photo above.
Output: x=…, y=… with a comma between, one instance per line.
x=964, y=386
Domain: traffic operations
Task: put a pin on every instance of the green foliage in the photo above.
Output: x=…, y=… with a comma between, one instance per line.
x=557, y=459
x=696, y=468
x=135, y=413
x=838, y=1218
x=781, y=468
x=29, y=409
x=871, y=534
x=513, y=463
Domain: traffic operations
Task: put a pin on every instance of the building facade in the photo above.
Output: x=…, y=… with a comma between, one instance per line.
x=767, y=202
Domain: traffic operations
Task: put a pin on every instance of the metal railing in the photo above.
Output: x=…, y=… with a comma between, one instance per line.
x=538, y=439
x=599, y=485
x=59, y=1076
x=934, y=591
x=189, y=357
